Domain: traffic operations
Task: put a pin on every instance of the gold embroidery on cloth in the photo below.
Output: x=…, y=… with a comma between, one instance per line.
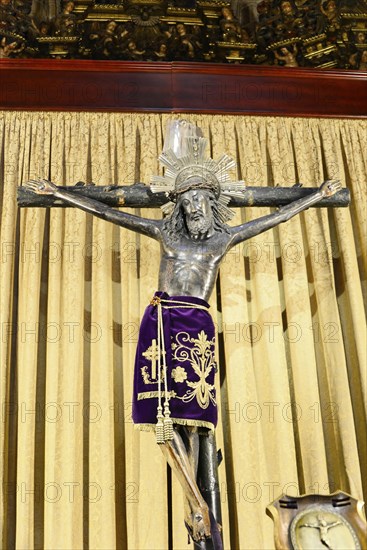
x=179, y=374
x=201, y=358
x=152, y=355
x=152, y=394
x=146, y=377
x=180, y=421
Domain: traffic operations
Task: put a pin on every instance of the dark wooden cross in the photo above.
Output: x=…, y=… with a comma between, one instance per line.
x=139, y=195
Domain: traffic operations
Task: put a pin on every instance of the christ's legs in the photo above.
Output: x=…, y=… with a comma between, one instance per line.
x=325, y=541
x=190, y=438
x=181, y=453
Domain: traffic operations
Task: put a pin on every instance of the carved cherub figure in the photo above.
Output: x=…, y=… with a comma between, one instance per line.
x=358, y=60
x=161, y=53
x=287, y=56
x=287, y=9
x=6, y=50
x=184, y=43
x=66, y=22
x=132, y=52
x=330, y=10
x=230, y=26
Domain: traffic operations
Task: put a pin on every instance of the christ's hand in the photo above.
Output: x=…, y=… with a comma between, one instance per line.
x=330, y=187
x=41, y=187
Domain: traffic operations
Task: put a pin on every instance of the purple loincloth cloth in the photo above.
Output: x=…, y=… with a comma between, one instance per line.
x=189, y=339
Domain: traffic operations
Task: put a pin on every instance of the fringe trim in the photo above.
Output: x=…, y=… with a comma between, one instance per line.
x=145, y=427
x=181, y=422
x=152, y=394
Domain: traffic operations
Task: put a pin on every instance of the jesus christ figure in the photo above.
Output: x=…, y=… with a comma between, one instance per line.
x=174, y=391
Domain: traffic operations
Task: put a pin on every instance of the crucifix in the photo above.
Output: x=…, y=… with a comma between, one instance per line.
x=323, y=528
x=176, y=397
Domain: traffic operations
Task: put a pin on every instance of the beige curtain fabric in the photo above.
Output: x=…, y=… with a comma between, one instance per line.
x=291, y=335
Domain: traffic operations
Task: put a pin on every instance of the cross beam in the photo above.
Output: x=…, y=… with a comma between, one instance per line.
x=139, y=195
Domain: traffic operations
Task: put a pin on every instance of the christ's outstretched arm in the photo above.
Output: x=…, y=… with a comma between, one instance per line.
x=255, y=227
x=146, y=226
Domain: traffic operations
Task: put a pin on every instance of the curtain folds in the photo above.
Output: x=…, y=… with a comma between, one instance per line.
x=288, y=307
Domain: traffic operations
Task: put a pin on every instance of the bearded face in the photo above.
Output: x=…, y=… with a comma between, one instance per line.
x=198, y=228
x=198, y=213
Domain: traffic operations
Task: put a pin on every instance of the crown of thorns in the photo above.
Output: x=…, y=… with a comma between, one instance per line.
x=197, y=171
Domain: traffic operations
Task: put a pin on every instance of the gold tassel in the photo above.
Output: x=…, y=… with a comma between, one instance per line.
x=159, y=428
x=168, y=424
x=168, y=429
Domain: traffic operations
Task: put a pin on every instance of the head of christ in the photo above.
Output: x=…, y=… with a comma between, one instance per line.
x=196, y=212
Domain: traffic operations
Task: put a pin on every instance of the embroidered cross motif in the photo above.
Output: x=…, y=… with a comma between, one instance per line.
x=152, y=354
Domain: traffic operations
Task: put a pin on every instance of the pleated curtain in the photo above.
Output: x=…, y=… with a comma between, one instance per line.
x=291, y=340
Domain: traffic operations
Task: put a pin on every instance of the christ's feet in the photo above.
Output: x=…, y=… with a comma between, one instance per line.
x=201, y=524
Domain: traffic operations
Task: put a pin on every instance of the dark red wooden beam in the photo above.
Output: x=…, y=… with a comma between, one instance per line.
x=75, y=85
